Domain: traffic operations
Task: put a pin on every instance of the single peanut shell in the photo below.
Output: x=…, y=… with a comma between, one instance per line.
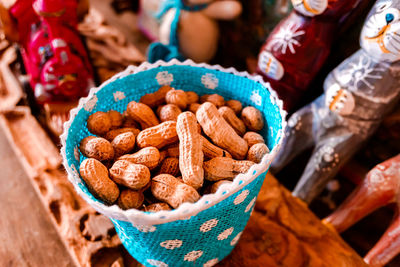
x=190, y=150
x=214, y=188
x=169, y=112
x=130, y=199
x=95, y=175
x=99, y=123
x=155, y=207
x=129, y=122
x=116, y=119
x=220, y=132
x=170, y=166
x=142, y=114
x=167, y=188
x=192, y=97
x=229, y=115
x=257, y=152
x=225, y=168
x=158, y=136
x=252, y=118
x=235, y=105
x=157, y=98
x=123, y=143
x=215, y=99
x=148, y=156
x=97, y=148
x=253, y=138
x=114, y=133
x=133, y=176
x=177, y=97
x=211, y=151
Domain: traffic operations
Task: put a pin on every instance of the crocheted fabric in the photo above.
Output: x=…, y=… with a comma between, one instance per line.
x=195, y=234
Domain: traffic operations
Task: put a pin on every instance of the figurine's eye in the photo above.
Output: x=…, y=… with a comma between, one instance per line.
x=383, y=6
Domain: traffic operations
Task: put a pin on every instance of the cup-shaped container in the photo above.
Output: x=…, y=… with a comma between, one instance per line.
x=195, y=234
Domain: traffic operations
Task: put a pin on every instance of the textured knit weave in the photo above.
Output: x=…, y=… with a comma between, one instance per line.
x=207, y=236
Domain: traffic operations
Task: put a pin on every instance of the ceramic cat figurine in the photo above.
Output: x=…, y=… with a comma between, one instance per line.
x=380, y=187
x=189, y=28
x=357, y=95
x=300, y=44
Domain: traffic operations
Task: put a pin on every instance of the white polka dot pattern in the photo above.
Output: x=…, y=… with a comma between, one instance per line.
x=210, y=81
x=208, y=225
x=193, y=255
x=118, y=95
x=157, y=263
x=164, y=78
x=236, y=239
x=225, y=234
x=145, y=228
x=250, y=205
x=211, y=263
x=241, y=197
x=171, y=244
x=90, y=104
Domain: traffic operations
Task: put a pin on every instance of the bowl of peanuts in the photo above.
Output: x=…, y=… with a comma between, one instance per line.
x=175, y=155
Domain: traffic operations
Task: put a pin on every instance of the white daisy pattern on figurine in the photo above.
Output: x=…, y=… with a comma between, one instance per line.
x=164, y=78
x=157, y=263
x=286, y=39
x=76, y=153
x=236, y=239
x=211, y=263
x=225, y=234
x=90, y=104
x=250, y=205
x=145, y=228
x=171, y=244
x=241, y=197
x=210, y=81
x=327, y=157
x=193, y=255
x=256, y=97
x=118, y=95
x=208, y=225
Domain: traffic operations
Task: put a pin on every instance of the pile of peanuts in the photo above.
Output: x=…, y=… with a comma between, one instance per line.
x=151, y=162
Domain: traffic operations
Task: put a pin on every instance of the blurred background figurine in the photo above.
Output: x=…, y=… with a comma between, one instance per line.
x=189, y=28
x=300, y=44
x=381, y=187
x=54, y=55
x=358, y=94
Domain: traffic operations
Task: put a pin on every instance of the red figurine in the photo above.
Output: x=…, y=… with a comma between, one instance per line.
x=53, y=53
x=299, y=45
x=380, y=188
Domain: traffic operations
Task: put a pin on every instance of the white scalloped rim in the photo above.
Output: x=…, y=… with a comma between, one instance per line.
x=186, y=209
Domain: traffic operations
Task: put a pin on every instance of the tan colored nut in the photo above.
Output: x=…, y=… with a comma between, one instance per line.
x=123, y=143
x=130, y=199
x=178, y=98
x=216, y=185
x=252, y=118
x=95, y=175
x=97, y=148
x=225, y=168
x=229, y=115
x=211, y=151
x=99, y=123
x=158, y=136
x=116, y=119
x=157, y=98
x=253, y=138
x=114, y=133
x=169, y=112
x=173, y=151
x=215, y=99
x=148, y=156
x=155, y=207
x=142, y=114
x=129, y=122
x=190, y=150
x=133, y=176
x=235, y=105
x=220, y=132
x=257, y=152
x=192, y=97
x=194, y=107
x=170, y=166
x=167, y=188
